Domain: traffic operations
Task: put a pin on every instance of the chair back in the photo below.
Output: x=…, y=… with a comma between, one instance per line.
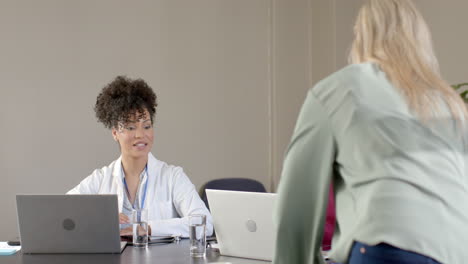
x=232, y=184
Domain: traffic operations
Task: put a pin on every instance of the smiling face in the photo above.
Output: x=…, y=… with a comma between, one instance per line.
x=135, y=137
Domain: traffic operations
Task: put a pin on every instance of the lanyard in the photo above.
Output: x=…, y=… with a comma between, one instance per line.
x=146, y=186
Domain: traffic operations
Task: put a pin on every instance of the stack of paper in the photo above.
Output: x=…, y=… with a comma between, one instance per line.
x=5, y=249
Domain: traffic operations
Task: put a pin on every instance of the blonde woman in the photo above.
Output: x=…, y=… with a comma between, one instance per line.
x=391, y=135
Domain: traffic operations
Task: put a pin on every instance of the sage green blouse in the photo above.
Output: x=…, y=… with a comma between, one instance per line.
x=397, y=179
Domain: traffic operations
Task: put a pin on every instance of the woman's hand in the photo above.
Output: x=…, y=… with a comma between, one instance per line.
x=123, y=219
x=126, y=231
x=129, y=231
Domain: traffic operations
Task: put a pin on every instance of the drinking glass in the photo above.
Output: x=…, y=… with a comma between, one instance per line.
x=197, y=226
x=140, y=228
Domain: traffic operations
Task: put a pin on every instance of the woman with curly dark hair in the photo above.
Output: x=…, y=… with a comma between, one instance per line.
x=128, y=107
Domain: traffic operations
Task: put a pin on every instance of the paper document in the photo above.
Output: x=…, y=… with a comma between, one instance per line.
x=5, y=249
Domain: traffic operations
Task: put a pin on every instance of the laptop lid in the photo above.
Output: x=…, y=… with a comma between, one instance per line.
x=243, y=222
x=69, y=223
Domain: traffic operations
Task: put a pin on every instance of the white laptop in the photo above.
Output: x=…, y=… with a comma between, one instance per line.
x=243, y=222
x=69, y=224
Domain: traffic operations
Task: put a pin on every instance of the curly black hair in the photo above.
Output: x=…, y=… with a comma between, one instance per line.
x=124, y=99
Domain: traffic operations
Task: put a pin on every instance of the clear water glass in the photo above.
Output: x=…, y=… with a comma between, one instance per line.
x=140, y=228
x=197, y=229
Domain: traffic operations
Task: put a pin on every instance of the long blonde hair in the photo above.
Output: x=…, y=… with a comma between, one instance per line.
x=393, y=34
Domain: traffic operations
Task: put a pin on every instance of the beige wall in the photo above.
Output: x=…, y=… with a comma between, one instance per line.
x=207, y=60
x=345, y=14
x=447, y=22
x=230, y=78
x=304, y=53
x=291, y=73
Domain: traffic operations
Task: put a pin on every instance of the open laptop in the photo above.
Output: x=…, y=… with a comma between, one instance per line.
x=243, y=222
x=69, y=224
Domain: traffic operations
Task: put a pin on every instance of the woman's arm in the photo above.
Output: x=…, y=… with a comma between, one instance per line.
x=304, y=186
x=186, y=201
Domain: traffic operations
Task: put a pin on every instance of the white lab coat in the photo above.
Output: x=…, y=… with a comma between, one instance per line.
x=171, y=197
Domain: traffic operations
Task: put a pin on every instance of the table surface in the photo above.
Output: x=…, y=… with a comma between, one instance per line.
x=174, y=253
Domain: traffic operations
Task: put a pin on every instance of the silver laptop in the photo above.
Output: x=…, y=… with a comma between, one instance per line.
x=69, y=224
x=243, y=222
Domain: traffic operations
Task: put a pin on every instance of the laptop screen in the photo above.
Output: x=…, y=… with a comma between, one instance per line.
x=243, y=223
